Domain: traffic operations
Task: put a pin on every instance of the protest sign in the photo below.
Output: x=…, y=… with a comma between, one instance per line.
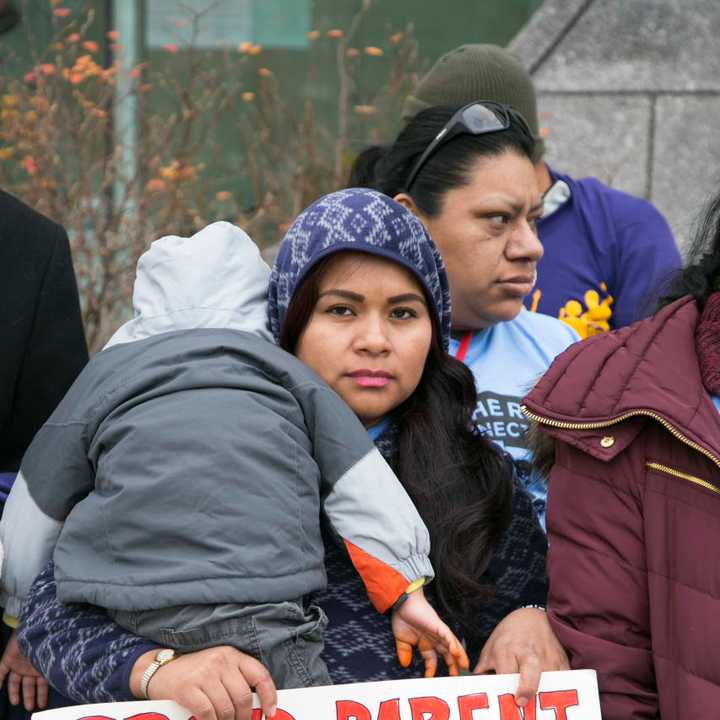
x=571, y=695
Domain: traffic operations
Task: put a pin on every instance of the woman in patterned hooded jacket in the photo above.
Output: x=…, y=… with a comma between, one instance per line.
x=346, y=292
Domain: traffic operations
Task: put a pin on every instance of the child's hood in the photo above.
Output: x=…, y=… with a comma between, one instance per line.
x=215, y=278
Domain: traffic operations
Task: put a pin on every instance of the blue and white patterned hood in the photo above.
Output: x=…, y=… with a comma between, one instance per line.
x=365, y=221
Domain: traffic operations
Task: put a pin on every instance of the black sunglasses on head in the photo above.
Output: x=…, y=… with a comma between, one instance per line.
x=476, y=118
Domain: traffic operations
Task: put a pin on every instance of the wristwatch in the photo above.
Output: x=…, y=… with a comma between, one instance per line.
x=162, y=658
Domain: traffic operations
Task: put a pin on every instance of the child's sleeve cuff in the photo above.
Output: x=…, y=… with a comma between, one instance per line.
x=10, y=621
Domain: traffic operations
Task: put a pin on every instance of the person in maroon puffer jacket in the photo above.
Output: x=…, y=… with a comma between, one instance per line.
x=634, y=500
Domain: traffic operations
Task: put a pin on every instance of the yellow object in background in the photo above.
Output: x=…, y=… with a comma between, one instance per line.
x=596, y=317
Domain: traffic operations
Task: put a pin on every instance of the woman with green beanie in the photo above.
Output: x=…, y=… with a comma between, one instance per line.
x=606, y=252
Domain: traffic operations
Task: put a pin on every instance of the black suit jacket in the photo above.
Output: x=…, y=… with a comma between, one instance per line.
x=42, y=343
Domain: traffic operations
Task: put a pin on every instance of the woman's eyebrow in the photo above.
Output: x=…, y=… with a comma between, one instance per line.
x=343, y=294
x=492, y=203
x=407, y=297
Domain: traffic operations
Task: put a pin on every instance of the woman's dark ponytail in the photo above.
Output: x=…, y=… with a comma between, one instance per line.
x=364, y=170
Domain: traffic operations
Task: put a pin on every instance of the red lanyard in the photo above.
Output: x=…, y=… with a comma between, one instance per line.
x=464, y=346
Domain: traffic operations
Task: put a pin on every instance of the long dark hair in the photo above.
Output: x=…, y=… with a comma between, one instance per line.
x=386, y=168
x=459, y=482
x=701, y=276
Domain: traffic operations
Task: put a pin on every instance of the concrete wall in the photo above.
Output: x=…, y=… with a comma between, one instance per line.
x=629, y=91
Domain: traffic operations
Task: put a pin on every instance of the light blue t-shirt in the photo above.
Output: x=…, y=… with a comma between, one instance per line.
x=507, y=359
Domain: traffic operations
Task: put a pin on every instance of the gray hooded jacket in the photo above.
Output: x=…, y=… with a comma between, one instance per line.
x=189, y=461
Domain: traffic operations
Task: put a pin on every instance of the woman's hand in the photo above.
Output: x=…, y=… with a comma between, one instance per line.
x=523, y=642
x=213, y=684
x=19, y=672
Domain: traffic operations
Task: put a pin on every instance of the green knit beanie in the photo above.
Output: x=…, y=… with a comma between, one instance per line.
x=478, y=72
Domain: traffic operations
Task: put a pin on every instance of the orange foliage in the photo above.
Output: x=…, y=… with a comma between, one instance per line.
x=59, y=153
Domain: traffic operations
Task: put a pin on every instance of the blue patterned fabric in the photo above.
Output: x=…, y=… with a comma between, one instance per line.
x=80, y=650
x=8, y=711
x=359, y=646
x=536, y=486
x=365, y=221
x=6, y=483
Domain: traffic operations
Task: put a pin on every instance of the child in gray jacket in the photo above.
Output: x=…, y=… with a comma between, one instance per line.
x=180, y=480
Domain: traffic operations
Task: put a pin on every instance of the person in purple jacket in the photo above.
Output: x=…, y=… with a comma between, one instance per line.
x=607, y=254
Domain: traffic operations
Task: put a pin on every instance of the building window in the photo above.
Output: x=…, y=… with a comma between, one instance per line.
x=227, y=23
